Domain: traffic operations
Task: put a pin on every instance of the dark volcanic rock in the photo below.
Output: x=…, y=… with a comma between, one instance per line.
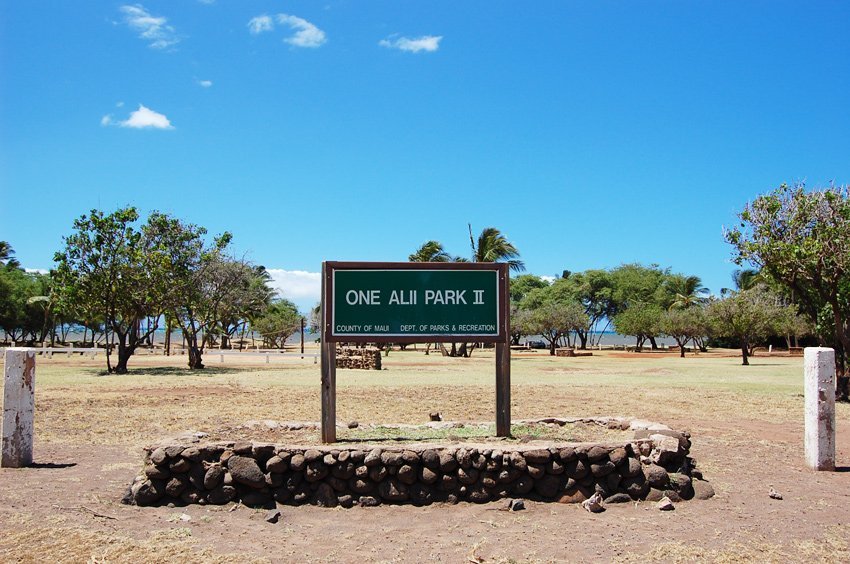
x=618, y=498
x=617, y=455
x=597, y=453
x=429, y=476
x=325, y=496
x=656, y=476
x=392, y=490
x=245, y=471
x=702, y=489
x=148, y=492
x=547, y=486
x=157, y=472
x=175, y=486
x=431, y=459
x=221, y=495
x=447, y=462
x=538, y=456
x=407, y=474
x=276, y=464
x=602, y=469
x=631, y=468
x=523, y=485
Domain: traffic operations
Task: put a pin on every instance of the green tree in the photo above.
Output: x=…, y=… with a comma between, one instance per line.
x=7, y=256
x=204, y=281
x=277, y=323
x=493, y=246
x=641, y=320
x=521, y=323
x=523, y=284
x=593, y=289
x=684, y=324
x=746, y=316
x=252, y=300
x=110, y=270
x=554, y=314
x=554, y=322
x=430, y=251
x=685, y=291
x=799, y=239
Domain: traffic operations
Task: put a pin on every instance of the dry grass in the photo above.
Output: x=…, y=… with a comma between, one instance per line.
x=76, y=404
x=152, y=401
x=832, y=546
x=58, y=540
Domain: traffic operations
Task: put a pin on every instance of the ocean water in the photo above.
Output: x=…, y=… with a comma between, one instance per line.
x=607, y=338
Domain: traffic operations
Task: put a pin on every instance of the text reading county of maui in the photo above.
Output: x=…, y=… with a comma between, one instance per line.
x=411, y=297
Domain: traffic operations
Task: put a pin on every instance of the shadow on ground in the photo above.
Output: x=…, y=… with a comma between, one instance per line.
x=174, y=371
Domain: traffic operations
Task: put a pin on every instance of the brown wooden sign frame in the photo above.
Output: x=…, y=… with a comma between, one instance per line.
x=501, y=339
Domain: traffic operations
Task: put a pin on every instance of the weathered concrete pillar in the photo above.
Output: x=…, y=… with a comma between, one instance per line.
x=18, y=408
x=819, y=388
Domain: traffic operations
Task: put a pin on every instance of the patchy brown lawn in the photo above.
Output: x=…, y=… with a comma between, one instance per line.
x=746, y=424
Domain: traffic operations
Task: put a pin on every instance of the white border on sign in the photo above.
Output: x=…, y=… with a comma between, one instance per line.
x=472, y=337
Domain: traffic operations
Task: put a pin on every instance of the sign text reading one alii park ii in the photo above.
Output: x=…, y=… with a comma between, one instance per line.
x=410, y=302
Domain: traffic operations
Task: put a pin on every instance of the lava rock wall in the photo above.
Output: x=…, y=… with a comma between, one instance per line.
x=258, y=474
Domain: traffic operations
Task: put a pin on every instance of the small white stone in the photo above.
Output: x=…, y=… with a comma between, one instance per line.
x=665, y=504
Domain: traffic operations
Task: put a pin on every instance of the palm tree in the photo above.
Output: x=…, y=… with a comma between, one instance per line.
x=492, y=246
x=743, y=279
x=7, y=255
x=430, y=251
x=746, y=279
x=687, y=291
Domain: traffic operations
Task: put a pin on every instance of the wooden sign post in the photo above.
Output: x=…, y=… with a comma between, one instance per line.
x=409, y=302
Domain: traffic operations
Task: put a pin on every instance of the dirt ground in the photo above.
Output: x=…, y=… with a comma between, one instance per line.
x=747, y=437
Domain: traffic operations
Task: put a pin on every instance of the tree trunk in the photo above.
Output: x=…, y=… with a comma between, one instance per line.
x=108, y=349
x=638, y=344
x=682, y=347
x=124, y=354
x=552, y=348
x=654, y=344
x=195, y=358
x=745, y=352
x=583, y=338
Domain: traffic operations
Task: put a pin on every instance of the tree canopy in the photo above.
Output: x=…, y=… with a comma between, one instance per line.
x=800, y=241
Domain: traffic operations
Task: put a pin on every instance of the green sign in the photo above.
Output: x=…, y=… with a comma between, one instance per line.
x=421, y=301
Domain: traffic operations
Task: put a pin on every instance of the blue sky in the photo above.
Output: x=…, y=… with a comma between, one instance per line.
x=591, y=133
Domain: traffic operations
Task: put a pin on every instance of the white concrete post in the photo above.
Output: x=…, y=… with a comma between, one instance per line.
x=18, y=408
x=819, y=388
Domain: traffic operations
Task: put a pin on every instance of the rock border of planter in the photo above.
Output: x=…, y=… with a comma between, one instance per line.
x=651, y=464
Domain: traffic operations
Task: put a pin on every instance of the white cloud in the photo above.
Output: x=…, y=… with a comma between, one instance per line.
x=428, y=43
x=36, y=270
x=302, y=287
x=119, y=105
x=106, y=120
x=146, y=118
x=260, y=24
x=306, y=34
x=150, y=28
x=549, y=279
x=205, y=83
